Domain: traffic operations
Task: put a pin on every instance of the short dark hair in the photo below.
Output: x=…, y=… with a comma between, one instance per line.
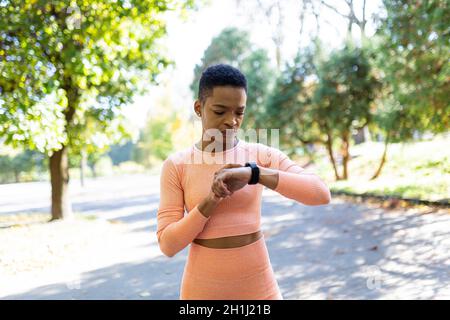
x=220, y=75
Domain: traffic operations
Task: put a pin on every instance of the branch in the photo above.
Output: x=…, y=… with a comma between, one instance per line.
x=335, y=10
x=364, y=12
x=302, y=20
x=267, y=11
x=363, y=125
x=364, y=21
x=315, y=14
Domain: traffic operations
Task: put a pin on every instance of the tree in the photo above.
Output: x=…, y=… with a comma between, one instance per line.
x=410, y=55
x=289, y=104
x=121, y=152
x=270, y=13
x=414, y=48
x=66, y=66
x=324, y=99
x=228, y=47
x=389, y=122
x=155, y=141
x=352, y=18
x=344, y=96
x=232, y=46
x=16, y=164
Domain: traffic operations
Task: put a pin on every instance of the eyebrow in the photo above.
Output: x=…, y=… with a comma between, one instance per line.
x=226, y=107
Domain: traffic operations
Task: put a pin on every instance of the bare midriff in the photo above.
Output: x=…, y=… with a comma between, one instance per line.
x=230, y=242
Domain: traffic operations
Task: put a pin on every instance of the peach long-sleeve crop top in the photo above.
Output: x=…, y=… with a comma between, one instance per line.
x=186, y=178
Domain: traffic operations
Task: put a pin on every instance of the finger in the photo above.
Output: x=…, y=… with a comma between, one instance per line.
x=216, y=198
x=225, y=188
x=218, y=190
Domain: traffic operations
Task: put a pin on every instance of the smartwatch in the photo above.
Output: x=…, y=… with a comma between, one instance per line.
x=255, y=172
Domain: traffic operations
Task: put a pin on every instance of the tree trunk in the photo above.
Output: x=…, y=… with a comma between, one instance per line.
x=82, y=174
x=383, y=160
x=59, y=176
x=82, y=167
x=59, y=161
x=345, y=155
x=278, y=57
x=94, y=172
x=363, y=23
x=329, y=146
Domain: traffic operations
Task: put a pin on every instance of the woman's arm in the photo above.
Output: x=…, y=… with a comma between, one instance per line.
x=174, y=230
x=306, y=188
x=292, y=181
x=288, y=179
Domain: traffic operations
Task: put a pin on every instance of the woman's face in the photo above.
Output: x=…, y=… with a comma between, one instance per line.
x=223, y=109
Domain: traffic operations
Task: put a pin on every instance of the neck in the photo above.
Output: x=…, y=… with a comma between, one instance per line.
x=227, y=144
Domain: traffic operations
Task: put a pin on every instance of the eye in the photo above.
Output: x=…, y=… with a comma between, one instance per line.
x=219, y=113
x=240, y=113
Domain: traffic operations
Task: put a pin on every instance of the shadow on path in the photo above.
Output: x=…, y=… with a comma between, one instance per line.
x=339, y=251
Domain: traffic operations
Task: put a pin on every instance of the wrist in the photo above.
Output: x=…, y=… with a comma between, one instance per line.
x=269, y=177
x=248, y=172
x=208, y=204
x=255, y=172
x=212, y=199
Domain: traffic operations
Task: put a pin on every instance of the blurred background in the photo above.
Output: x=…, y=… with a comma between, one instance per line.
x=94, y=95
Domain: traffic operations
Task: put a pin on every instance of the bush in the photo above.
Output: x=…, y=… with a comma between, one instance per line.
x=104, y=166
x=129, y=167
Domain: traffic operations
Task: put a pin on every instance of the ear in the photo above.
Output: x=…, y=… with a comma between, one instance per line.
x=198, y=108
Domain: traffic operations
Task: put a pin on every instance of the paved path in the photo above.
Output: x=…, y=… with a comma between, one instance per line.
x=339, y=251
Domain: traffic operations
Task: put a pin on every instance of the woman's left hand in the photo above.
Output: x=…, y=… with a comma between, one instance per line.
x=234, y=176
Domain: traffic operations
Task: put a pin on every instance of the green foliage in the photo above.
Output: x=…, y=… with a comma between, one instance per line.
x=23, y=166
x=289, y=106
x=414, y=170
x=232, y=46
x=228, y=47
x=103, y=167
x=121, y=153
x=68, y=67
x=324, y=98
x=129, y=167
x=259, y=74
x=345, y=91
x=413, y=50
x=155, y=141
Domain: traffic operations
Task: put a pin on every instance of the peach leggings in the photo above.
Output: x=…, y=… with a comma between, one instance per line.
x=242, y=273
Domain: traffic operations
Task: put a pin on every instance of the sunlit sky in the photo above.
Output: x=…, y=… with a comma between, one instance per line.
x=187, y=40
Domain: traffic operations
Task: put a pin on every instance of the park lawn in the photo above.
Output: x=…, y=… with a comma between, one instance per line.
x=418, y=170
x=25, y=219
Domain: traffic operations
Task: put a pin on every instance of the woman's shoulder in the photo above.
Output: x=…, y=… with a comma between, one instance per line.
x=180, y=156
x=175, y=162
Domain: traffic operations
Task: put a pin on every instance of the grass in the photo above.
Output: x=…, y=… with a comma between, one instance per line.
x=31, y=218
x=419, y=170
x=21, y=219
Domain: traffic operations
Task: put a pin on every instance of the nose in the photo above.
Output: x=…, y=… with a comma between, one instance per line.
x=230, y=122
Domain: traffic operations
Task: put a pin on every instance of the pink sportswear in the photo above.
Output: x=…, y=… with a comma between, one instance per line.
x=186, y=179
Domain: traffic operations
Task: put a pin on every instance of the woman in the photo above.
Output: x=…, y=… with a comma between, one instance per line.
x=219, y=181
